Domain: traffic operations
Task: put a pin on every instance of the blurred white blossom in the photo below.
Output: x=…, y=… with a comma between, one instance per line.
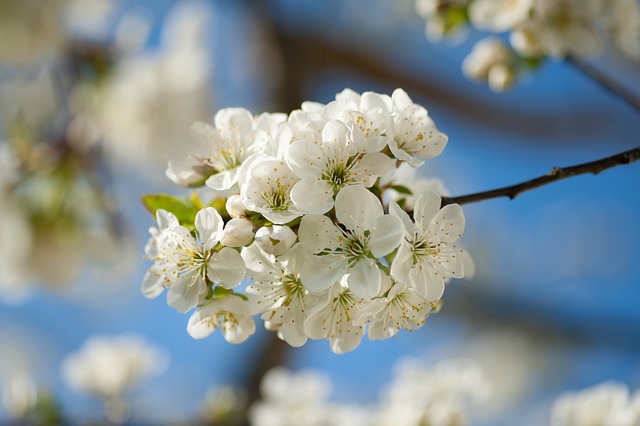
x=108, y=366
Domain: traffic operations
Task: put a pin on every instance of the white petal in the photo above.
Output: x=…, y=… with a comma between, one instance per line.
x=313, y=196
x=296, y=258
x=185, y=292
x=304, y=158
x=386, y=235
x=317, y=276
x=224, y=180
x=371, y=166
x=226, y=268
x=448, y=223
x=427, y=284
x=397, y=211
x=318, y=233
x=364, y=278
x=166, y=220
x=402, y=263
x=209, y=225
x=369, y=311
x=468, y=265
x=260, y=265
x=426, y=207
x=357, y=208
x=151, y=285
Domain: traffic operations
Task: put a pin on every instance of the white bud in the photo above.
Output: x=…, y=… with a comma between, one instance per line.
x=238, y=232
x=235, y=207
x=525, y=40
x=501, y=77
x=485, y=54
x=275, y=239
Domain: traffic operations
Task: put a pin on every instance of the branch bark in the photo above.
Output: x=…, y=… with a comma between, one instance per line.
x=556, y=174
x=608, y=84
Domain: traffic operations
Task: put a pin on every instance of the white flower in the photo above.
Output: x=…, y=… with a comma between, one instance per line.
x=333, y=319
x=266, y=190
x=498, y=15
x=277, y=291
x=107, y=366
x=525, y=39
x=401, y=308
x=490, y=61
x=229, y=314
x=276, y=239
x=365, y=235
x=624, y=24
x=606, y=404
x=567, y=26
x=416, y=137
x=183, y=263
x=291, y=399
x=19, y=394
x=445, y=18
x=232, y=140
x=326, y=167
x=436, y=396
x=427, y=256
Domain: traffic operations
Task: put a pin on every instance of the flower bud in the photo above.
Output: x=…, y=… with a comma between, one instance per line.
x=275, y=239
x=238, y=232
x=525, y=40
x=235, y=207
x=501, y=77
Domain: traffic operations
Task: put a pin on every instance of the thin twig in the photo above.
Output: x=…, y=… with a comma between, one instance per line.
x=608, y=84
x=558, y=173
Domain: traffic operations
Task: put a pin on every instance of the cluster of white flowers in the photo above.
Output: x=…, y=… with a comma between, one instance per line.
x=107, y=366
x=606, y=404
x=439, y=396
x=536, y=29
x=305, y=220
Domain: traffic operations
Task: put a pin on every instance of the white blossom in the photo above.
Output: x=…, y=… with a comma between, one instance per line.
x=108, y=366
x=182, y=263
x=567, y=26
x=428, y=257
x=499, y=15
x=400, y=308
x=235, y=207
x=525, y=39
x=440, y=395
x=416, y=137
x=624, y=25
x=267, y=190
x=408, y=176
x=277, y=292
x=329, y=165
x=365, y=235
x=333, y=319
x=229, y=314
x=606, y=404
x=490, y=61
x=292, y=399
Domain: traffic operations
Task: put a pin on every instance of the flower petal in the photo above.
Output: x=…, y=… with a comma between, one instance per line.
x=386, y=235
x=226, y=268
x=318, y=233
x=209, y=225
x=185, y=292
x=426, y=207
x=364, y=278
x=151, y=285
x=357, y=208
x=312, y=196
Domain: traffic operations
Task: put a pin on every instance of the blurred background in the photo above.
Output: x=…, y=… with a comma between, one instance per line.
x=96, y=95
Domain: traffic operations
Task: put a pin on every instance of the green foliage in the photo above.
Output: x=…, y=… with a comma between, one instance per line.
x=185, y=210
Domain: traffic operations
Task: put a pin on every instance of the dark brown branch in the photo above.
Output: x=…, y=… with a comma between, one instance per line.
x=558, y=173
x=608, y=84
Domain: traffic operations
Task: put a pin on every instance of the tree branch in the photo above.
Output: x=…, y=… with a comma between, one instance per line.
x=608, y=84
x=558, y=173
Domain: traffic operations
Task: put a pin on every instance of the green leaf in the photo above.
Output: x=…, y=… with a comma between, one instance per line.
x=185, y=211
x=402, y=189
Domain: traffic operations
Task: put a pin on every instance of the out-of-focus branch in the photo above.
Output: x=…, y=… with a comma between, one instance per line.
x=603, y=80
x=558, y=173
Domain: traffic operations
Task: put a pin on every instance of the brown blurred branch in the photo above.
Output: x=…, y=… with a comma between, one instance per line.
x=605, y=82
x=558, y=173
